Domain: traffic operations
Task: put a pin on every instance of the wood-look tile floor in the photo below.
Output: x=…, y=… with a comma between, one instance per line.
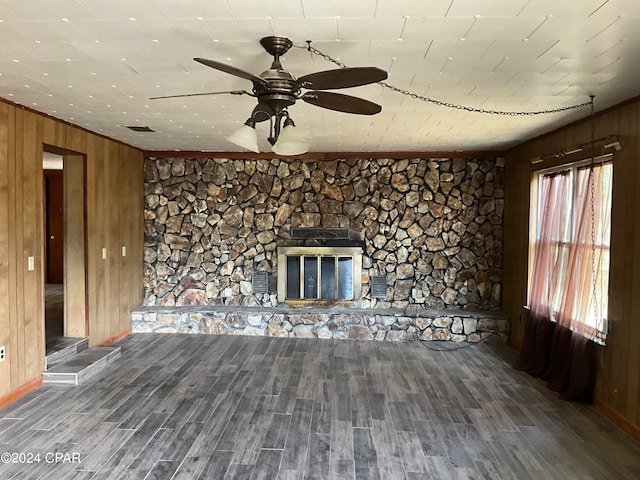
x=54, y=315
x=230, y=407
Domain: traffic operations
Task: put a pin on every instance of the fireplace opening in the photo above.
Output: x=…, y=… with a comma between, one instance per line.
x=319, y=275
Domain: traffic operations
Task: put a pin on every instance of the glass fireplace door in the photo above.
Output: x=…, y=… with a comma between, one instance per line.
x=319, y=273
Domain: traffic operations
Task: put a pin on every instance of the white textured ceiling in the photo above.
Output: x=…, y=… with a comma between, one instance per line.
x=95, y=63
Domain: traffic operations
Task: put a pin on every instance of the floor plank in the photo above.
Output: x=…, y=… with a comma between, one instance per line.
x=224, y=407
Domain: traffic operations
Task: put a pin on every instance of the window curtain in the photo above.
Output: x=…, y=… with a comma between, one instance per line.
x=569, y=266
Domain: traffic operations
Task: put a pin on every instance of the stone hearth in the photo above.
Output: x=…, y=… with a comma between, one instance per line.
x=320, y=322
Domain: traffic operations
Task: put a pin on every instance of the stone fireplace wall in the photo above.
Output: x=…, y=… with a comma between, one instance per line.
x=432, y=227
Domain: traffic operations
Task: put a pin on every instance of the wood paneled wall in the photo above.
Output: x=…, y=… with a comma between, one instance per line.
x=618, y=383
x=113, y=175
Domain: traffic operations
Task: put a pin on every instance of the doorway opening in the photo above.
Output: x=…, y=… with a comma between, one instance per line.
x=64, y=247
x=53, y=170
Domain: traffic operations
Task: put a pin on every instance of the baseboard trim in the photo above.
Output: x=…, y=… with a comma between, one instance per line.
x=624, y=423
x=20, y=392
x=115, y=338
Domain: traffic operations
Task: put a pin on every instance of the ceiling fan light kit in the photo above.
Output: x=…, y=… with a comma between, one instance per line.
x=276, y=90
x=286, y=141
x=245, y=136
x=290, y=141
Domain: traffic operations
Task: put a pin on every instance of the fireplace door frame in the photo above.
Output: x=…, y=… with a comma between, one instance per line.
x=305, y=297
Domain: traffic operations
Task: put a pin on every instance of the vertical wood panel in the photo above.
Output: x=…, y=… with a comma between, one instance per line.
x=124, y=194
x=632, y=151
x=5, y=256
x=133, y=166
x=613, y=387
x=107, y=199
x=53, y=132
x=98, y=220
x=137, y=222
x=112, y=212
x=76, y=139
x=94, y=237
x=74, y=247
x=516, y=223
x=13, y=354
x=18, y=328
x=93, y=275
x=33, y=246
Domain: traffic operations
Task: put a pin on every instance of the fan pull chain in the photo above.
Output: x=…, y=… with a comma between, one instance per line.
x=441, y=103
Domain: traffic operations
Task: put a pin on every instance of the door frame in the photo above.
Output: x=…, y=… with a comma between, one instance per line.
x=76, y=319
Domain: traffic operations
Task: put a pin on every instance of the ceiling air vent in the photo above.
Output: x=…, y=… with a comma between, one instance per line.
x=137, y=128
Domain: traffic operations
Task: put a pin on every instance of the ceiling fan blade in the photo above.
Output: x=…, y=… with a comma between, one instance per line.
x=223, y=67
x=342, y=78
x=232, y=92
x=341, y=102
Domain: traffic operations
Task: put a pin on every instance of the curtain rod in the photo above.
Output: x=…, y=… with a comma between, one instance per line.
x=610, y=141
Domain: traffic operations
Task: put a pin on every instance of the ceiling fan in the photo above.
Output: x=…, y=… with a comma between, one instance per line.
x=276, y=89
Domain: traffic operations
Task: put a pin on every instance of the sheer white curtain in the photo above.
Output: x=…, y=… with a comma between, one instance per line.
x=571, y=255
x=569, y=278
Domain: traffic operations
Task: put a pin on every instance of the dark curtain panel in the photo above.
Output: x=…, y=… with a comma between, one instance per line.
x=563, y=358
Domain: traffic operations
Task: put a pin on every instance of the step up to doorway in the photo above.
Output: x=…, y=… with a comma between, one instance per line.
x=80, y=367
x=64, y=348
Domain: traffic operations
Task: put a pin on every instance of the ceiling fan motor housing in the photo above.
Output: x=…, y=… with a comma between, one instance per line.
x=281, y=89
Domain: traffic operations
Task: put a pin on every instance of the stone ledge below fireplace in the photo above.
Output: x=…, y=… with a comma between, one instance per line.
x=412, y=323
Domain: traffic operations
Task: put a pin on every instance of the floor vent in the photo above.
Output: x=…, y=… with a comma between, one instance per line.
x=260, y=282
x=378, y=287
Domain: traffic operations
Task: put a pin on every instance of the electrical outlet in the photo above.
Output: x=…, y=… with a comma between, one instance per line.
x=104, y=253
x=2, y=354
x=31, y=264
x=124, y=251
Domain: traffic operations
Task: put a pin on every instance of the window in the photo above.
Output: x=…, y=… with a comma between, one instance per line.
x=569, y=246
x=319, y=273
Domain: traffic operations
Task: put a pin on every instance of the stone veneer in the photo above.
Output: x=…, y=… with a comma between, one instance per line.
x=432, y=227
x=355, y=324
